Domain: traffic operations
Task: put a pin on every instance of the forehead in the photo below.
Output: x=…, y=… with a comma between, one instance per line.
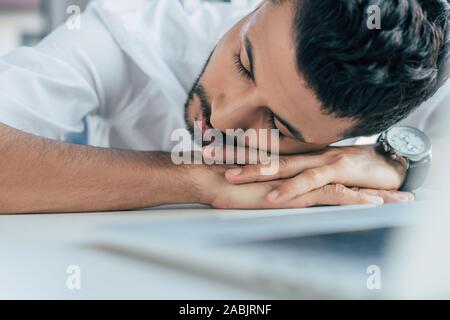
x=279, y=80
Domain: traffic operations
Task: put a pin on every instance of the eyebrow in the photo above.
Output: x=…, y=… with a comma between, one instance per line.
x=251, y=58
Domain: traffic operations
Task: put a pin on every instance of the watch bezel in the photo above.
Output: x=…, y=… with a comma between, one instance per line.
x=410, y=157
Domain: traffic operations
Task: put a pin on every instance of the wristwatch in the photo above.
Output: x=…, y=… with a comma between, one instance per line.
x=412, y=148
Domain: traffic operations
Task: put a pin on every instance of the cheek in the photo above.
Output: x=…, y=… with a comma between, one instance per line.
x=220, y=72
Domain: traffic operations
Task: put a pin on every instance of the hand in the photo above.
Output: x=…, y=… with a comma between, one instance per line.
x=216, y=191
x=356, y=166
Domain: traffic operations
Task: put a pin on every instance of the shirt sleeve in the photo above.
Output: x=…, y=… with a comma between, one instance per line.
x=49, y=89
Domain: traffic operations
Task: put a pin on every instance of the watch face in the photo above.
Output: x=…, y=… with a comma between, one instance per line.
x=409, y=142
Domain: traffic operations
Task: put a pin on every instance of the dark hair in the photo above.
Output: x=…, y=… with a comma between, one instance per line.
x=375, y=76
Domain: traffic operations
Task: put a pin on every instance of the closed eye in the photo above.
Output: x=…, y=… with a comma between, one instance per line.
x=241, y=68
x=272, y=125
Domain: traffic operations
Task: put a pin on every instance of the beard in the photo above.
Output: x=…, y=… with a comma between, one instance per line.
x=205, y=107
x=197, y=90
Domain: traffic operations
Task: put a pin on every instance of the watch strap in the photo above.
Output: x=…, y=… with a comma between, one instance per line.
x=416, y=174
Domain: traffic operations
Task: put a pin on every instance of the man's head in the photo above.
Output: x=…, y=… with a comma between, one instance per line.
x=318, y=73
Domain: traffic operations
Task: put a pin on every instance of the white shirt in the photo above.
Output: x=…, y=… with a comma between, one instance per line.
x=127, y=71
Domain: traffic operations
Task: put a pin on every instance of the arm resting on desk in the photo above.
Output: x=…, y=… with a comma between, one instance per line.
x=41, y=175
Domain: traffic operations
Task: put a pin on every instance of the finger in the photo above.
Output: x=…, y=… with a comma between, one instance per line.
x=335, y=194
x=285, y=167
x=391, y=196
x=307, y=181
x=247, y=196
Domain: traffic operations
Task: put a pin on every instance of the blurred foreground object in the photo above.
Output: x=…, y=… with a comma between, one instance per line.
x=421, y=258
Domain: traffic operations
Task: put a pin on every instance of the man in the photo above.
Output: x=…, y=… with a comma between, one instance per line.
x=313, y=70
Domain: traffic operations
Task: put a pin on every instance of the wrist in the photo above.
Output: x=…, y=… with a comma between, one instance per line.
x=181, y=183
x=184, y=183
x=400, y=165
x=207, y=182
x=154, y=180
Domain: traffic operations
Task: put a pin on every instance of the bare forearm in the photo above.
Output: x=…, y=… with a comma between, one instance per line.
x=39, y=175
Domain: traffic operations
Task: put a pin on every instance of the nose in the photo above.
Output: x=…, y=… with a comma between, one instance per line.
x=242, y=111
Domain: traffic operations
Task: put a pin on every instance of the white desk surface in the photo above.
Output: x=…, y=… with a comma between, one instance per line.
x=35, y=251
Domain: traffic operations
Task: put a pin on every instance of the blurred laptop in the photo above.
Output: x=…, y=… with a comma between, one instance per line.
x=323, y=252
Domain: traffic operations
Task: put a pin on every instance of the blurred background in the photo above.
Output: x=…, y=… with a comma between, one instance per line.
x=25, y=22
